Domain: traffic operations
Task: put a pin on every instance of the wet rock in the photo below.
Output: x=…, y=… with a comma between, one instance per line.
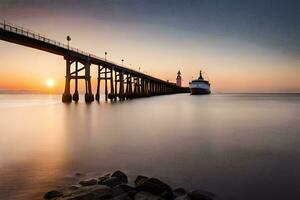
x=121, y=176
x=122, y=197
x=201, y=195
x=103, y=178
x=89, y=182
x=123, y=192
x=146, y=196
x=74, y=187
x=112, y=182
x=156, y=187
x=121, y=189
x=140, y=179
x=114, y=187
x=52, y=194
x=96, y=192
x=179, y=192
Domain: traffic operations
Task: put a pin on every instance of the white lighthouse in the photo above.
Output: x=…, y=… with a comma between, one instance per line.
x=178, y=79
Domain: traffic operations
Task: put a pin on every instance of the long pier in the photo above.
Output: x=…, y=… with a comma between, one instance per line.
x=124, y=83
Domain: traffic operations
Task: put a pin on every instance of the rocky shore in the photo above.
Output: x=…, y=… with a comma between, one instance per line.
x=115, y=186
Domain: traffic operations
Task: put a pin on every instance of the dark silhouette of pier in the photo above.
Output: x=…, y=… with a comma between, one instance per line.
x=125, y=83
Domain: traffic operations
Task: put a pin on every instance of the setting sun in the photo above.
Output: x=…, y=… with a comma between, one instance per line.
x=50, y=83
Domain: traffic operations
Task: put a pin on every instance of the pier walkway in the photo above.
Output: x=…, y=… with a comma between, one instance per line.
x=123, y=82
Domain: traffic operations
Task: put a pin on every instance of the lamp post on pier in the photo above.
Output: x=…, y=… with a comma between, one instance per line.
x=105, y=54
x=68, y=39
x=122, y=62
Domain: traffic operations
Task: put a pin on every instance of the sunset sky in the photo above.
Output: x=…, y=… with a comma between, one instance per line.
x=243, y=46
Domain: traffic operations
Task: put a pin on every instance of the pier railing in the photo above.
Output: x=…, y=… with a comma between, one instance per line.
x=5, y=25
x=125, y=83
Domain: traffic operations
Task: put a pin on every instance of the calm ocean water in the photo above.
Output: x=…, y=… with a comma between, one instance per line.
x=238, y=146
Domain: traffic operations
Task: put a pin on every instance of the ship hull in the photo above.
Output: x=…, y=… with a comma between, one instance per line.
x=199, y=86
x=199, y=91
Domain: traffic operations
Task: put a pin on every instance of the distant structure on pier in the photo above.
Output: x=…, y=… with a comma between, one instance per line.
x=178, y=79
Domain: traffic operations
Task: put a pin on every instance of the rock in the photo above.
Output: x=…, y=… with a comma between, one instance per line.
x=112, y=182
x=123, y=192
x=120, y=175
x=96, y=192
x=89, y=182
x=140, y=179
x=201, y=195
x=122, y=197
x=78, y=174
x=156, y=187
x=52, y=194
x=146, y=196
x=74, y=187
x=179, y=192
x=114, y=187
x=121, y=189
x=103, y=178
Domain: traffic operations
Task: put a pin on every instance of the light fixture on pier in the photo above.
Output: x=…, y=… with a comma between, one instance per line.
x=105, y=55
x=68, y=39
x=122, y=62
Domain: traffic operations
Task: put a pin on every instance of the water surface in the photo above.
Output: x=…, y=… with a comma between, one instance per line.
x=238, y=146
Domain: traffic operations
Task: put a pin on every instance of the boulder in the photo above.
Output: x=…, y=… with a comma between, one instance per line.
x=96, y=192
x=201, y=195
x=114, y=187
x=146, y=196
x=112, y=182
x=123, y=192
x=52, y=194
x=179, y=192
x=121, y=189
x=140, y=179
x=156, y=187
x=121, y=176
x=89, y=182
x=103, y=178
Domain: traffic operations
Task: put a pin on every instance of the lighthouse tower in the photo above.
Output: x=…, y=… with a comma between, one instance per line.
x=178, y=79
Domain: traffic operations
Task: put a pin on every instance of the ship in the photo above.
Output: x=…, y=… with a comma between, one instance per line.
x=199, y=86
